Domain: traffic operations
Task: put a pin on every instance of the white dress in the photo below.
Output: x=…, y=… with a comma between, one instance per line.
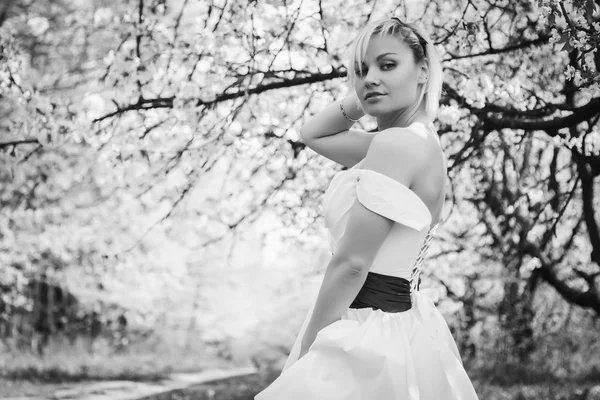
x=370, y=354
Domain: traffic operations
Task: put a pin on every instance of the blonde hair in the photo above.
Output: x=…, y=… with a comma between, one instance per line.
x=423, y=50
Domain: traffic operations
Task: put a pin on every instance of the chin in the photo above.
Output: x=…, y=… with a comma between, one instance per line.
x=376, y=108
x=381, y=111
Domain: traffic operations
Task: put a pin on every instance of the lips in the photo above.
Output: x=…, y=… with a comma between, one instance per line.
x=372, y=94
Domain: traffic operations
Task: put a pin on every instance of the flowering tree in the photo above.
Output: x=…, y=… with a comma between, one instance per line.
x=161, y=93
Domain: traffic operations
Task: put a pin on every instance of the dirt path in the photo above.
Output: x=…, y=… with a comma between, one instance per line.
x=116, y=390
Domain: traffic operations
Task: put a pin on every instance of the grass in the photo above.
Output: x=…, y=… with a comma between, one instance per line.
x=551, y=390
x=245, y=388
x=27, y=373
x=518, y=374
x=85, y=360
x=491, y=384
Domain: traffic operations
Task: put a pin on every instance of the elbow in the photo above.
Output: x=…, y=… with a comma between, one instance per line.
x=304, y=135
x=352, y=266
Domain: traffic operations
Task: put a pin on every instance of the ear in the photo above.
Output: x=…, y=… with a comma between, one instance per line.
x=424, y=71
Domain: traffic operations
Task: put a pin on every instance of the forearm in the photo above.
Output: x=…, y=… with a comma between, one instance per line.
x=330, y=120
x=341, y=284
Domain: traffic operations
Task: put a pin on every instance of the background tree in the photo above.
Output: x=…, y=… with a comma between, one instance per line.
x=130, y=122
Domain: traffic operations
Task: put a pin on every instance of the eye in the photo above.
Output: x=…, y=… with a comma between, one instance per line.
x=388, y=66
x=358, y=72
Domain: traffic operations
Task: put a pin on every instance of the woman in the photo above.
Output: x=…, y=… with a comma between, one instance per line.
x=371, y=334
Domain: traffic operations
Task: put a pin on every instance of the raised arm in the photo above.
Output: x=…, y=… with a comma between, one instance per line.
x=328, y=133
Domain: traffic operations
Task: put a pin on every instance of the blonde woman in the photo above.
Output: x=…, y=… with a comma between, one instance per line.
x=371, y=333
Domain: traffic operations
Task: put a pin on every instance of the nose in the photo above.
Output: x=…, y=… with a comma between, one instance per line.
x=372, y=77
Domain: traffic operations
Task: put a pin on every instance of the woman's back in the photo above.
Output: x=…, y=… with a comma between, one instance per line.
x=400, y=249
x=351, y=145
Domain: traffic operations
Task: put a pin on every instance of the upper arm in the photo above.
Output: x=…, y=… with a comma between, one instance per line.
x=399, y=154
x=346, y=148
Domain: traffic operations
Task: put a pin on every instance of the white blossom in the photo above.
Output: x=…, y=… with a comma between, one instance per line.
x=449, y=115
x=102, y=16
x=38, y=25
x=555, y=36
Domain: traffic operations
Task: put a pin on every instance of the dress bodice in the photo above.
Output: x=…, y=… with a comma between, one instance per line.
x=403, y=249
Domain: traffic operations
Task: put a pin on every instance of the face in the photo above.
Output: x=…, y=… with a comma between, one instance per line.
x=390, y=77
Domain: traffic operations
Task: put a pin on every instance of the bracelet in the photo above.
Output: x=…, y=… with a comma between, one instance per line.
x=344, y=113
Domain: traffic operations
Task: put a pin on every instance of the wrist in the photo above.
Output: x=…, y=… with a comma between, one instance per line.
x=350, y=108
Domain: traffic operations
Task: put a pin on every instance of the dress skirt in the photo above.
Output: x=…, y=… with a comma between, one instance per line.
x=373, y=354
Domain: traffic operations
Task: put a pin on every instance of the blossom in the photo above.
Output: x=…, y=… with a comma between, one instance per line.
x=449, y=115
x=38, y=25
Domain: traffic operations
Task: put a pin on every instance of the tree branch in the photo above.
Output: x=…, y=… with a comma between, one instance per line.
x=167, y=102
x=587, y=195
x=541, y=40
x=546, y=271
x=18, y=142
x=579, y=115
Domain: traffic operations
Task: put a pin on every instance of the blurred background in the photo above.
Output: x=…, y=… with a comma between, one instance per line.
x=160, y=213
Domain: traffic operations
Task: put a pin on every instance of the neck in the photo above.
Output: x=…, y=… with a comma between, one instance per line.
x=401, y=120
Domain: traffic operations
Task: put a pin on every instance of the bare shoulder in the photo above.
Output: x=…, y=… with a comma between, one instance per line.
x=410, y=144
x=409, y=138
x=400, y=153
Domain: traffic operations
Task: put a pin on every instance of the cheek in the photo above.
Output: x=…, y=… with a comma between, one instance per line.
x=408, y=82
x=403, y=87
x=408, y=76
x=405, y=90
x=358, y=85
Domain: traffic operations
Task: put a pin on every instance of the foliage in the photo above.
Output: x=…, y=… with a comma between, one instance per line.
x=143, y=141
x=83, y=359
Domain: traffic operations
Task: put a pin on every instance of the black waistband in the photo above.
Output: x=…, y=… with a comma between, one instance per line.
x=384, y=292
